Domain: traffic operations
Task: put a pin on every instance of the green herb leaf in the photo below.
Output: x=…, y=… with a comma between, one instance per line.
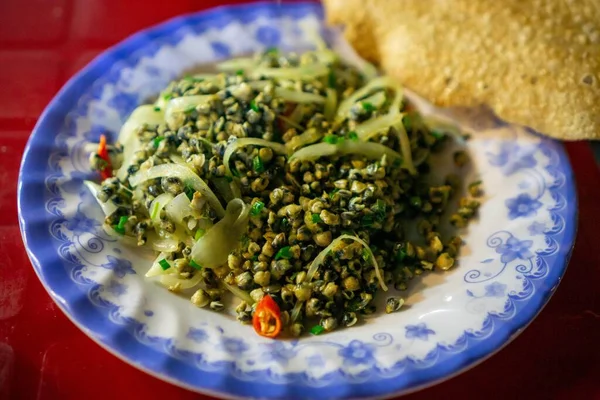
x=317, y=330
x=189, y=192
x=157, y=141
x=119, y=230
x=122, y=222
x=331, y=139
x=366, y=255
x=254, y=257
x=195, y=265
x=437, y=134
x=239, y=72
x=156, y=108
x=164, y=264
x=189, y=109
x=284, y=252
x=167, y=96
x=154, y=211
x=473, y=184
x=316, y=218
x=257, y=208
x=367, y=220
x=253, y=106
x=199, y=233
x=257, y=165
x=353, y=136
x=401, y=254
x=331, y=79
x=368, y=107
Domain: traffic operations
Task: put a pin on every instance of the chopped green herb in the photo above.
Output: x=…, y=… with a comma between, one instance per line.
x=257, y=165
x=317, y=330
x=189, y=192
x=368, y=107
x=253, y=106
x=167, y=96
x=189, y=109
x=164, y=264
x=331, y=79
x=239, y=72
x=379, y=208
x=119, y=230
x=254, y=257
x=407, y=122
x=195, y=265
x=331, y=139
x=228, y=178
x=257, y=208
x=193, y=79
x=284, y=252
x=157, y=141
x=122, y=222
x=235, y=173
x=401, y=254
x=353, y=136
x=366, y=255
x=366, y=220
x=156, y=108
x=199, y=233
x=437, y=134
x=473, y=184
x=415, y=201
x=154, y=210
x=316, y=218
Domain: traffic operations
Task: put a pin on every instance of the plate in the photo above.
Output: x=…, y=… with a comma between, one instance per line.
x=515, y=254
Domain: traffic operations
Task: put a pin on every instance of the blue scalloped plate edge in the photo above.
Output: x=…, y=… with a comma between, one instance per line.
x=33, y=221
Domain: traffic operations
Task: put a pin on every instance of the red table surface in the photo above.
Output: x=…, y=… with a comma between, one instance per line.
x=44, y=356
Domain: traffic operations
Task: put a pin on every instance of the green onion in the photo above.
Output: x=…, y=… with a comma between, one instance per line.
x=331, y=139
x=199, y=233
x=257, y=165
x=400, y=254
x=316, y=218
x=189, y=109
x=473, y=184
x=228, y=178
x=331, y=80
x=253, y=106
x=189, y=192
x=195, y=265
x=380, y=208
x=254, y=257
x=415, y=201
x=155, y=210
x=239, y=72
x=353, y=136
x=436, y=134
x=157, y=141
x=164, y=264
x=317, y=330
x=157, y=108
x=368, y=107
x=284, y=252
x=365, y=255
x=257, y=208
x=167, y=96
x=122, y=222
x=366, y=220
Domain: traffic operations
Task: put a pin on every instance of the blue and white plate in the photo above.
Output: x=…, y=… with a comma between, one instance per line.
x=515, y=255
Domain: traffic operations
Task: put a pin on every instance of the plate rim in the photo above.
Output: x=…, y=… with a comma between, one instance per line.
x=33, y=222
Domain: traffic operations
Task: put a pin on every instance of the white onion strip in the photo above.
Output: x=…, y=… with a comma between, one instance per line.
x=188, y=177
x=373, y=126
x=370, y=150
x=294, y=96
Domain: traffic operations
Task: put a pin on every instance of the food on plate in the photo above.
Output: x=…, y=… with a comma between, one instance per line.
x=536, y=63
x=288, y=180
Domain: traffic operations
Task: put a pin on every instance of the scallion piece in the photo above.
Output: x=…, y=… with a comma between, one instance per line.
x=189, y=109
x=331, y=80
x=239, y=72
x=156, y=108
x=331, y=139
x=189, y=192
x=253, y=106
x=316, y=218
x=284, y=252
x=122, y=222
x=155, y=208
x=167, y=97
x=257, y=165
x=164, y=264
x=257, y=208
x=317, y=330
x=365, y=255
x=199, y=233
x=353, y=136
x=368, y=107
x=195, y=265
x=157, y=141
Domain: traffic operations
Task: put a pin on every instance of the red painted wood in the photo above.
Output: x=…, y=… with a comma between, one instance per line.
x=44, y=356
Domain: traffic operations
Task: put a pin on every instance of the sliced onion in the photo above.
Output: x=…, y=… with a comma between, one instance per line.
x=377, y=100
x=109, y=207
x=225, y=188
x=296, y=311
x=188, y=177
x=373, y=85
x=243, y=142
x=239, y=293
x=307, y=137
x=330, y=104
x=146, y=114
x=173, y=280
x=165, y=245
x=373, y=126
x=305, y=72
x=125, y=239
x=370, y=150
x=157, y=205
x=316, y=263
x=405, y=148
x=294, y=96
x=243, y=63
x=156, y=269
x=178, y=208
x=258, y=85
x=212, y=249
